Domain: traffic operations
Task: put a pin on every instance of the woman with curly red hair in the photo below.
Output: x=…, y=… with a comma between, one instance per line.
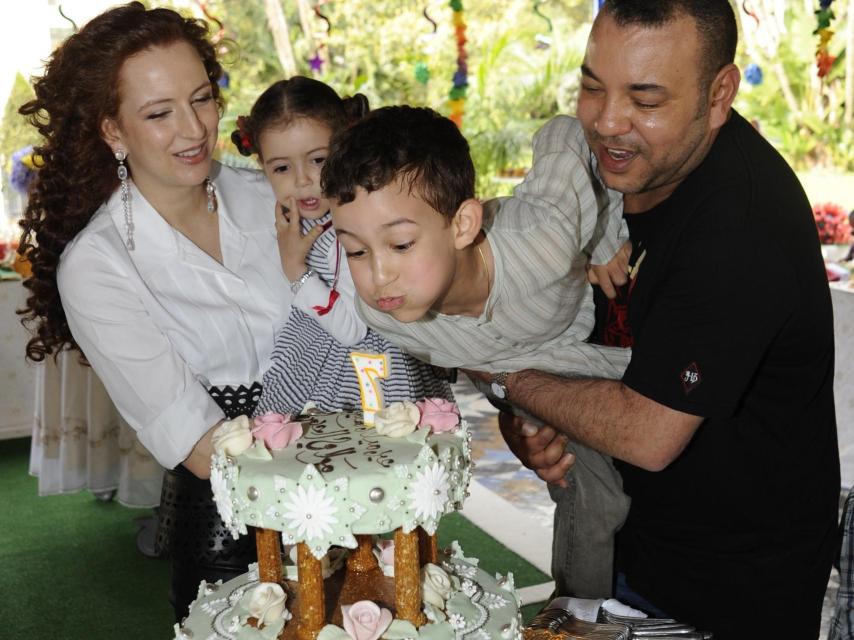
x=159, y=264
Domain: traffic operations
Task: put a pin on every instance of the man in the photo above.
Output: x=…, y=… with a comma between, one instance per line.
x=723, y=423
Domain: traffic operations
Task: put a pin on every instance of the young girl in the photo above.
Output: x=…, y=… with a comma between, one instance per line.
x=289, y=127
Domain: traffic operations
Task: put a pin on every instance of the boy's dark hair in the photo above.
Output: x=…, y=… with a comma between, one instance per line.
x=419, y=146
x=715, y=21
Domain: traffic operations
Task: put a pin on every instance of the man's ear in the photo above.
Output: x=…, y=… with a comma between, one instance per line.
x=111, y=134
x=722, y=94
x=467, y=223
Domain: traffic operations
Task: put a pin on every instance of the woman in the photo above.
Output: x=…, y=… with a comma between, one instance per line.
x=158, y=263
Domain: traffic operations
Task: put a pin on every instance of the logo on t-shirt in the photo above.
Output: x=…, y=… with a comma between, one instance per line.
x=690, y=377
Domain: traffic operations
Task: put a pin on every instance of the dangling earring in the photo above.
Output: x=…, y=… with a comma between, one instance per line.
x=209, y=188
x=123, y=179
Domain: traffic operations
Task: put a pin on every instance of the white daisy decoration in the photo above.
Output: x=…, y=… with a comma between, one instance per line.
x=310, y=512
x=457, y=620
x=429, y=492
x=317, y=513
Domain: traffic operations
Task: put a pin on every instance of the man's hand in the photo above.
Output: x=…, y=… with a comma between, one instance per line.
x=613, y=274
x=293, y=245
x=541, y=449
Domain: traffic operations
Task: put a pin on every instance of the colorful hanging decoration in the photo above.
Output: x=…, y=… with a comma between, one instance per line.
x=457, y=94
x=753, y=74
x=823, y=59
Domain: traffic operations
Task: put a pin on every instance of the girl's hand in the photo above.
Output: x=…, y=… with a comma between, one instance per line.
x=293, y=245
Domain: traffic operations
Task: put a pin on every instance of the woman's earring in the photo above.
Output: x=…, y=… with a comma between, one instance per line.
x=209, y=188
x=123, y=179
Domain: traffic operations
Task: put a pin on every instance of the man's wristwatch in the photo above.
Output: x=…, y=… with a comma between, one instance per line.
x=498, y=385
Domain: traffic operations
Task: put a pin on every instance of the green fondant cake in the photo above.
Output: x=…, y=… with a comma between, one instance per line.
x=335, y=479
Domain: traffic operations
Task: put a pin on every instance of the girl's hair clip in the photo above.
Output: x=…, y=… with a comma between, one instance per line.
x=240, y=138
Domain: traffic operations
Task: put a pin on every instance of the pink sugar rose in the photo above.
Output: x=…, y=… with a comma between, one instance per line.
x=277, y=431
x=439, y=414
x=364, y=620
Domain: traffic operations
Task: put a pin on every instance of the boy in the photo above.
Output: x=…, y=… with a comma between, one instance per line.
x=498, y=291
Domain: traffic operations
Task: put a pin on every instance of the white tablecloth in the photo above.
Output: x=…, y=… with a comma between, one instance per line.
x=79, y=441
x=16, y=376
x=843, y=382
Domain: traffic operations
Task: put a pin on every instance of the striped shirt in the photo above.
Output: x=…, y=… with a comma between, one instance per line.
x=540, y=309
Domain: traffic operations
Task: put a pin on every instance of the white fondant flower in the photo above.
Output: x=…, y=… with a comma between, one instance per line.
x=233, y=437
x=311, y=512
x=365, y=620
x=435, y=585
x=397, y=419
x=267, y=602
x=430, y=492
x=457, y=621
x=222, y=497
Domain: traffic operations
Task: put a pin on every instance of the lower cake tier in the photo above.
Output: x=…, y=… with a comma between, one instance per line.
x=461, y=601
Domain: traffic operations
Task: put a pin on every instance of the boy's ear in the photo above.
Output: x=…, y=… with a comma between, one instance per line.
x=467, y=223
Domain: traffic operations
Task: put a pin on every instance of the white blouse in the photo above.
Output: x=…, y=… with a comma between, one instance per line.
x=163, y=322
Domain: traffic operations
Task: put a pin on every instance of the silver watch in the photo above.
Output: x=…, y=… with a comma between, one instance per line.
x=498, y=385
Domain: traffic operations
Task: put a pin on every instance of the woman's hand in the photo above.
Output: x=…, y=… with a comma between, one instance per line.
x=199, y=461
x=293, y=245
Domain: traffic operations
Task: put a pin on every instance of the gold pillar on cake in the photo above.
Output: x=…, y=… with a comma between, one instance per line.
x=269, y=556
x=312, y=605
x=362, y=560
x=407, y=577
x=428, y=548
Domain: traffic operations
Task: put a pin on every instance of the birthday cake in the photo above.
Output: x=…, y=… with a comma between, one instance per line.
x=356, y=508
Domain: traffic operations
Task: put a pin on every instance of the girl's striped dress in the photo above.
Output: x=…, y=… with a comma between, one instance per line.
x=309, y=365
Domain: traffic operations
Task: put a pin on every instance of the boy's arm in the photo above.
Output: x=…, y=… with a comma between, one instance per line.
x=562, y=190
x=341, y=321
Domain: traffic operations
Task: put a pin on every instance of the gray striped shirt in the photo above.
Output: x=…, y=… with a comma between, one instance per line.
x=540, y=310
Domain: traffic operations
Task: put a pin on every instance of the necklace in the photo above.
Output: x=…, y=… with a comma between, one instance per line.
x=488, y=279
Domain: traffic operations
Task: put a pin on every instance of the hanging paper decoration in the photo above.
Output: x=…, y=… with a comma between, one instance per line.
x=422, y=73
x=457, y=95
x=753, y=74
x=316, y=62
x=823, y=59
x=543, y=41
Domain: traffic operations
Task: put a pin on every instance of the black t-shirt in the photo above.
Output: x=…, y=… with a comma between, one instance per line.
x=729, y=318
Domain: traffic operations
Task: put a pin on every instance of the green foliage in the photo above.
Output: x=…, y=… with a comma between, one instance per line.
x=374, y=47
x=16, y=133
x=811, y=133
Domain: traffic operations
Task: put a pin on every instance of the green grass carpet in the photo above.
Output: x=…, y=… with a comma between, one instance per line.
x=69, y=568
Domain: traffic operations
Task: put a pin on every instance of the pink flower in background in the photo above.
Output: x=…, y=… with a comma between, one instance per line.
x=832, y=223
x=364, y=620
x=386, y=551
x=277, y=431
x=439, y=414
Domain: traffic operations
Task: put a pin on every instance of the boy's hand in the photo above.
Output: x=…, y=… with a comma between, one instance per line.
x=293, y=245
x=541, y=449
x=613, y=274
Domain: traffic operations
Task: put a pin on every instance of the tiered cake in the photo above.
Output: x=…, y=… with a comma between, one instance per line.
x=361, y=505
